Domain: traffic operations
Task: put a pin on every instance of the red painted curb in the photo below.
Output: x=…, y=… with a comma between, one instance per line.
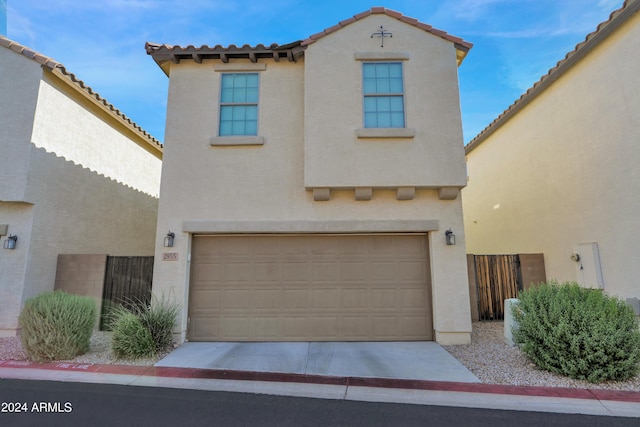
x=195, y=373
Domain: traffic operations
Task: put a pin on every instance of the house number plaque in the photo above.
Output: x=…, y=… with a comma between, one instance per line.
x=170, y=256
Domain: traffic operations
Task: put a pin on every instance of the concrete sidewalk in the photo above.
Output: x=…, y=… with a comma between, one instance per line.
x=420, y=392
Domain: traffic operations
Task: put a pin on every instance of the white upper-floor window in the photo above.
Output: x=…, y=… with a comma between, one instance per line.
x=239, y=104
x=383, y=95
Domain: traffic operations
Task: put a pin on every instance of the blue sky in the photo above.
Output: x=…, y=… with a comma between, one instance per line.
x=102, y=42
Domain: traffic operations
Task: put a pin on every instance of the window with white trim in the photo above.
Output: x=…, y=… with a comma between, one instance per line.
x=239, y=104
x=383, y=95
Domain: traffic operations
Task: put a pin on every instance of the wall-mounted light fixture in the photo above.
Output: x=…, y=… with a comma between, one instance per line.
x=450, y=237
x=168, y=239
x=10, y=242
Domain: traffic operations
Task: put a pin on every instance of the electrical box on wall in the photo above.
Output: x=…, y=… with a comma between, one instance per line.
x=3, y=229
x=588, y=268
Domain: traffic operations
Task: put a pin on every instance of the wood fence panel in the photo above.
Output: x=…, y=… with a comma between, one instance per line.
x=497, y=279
x=128, y=281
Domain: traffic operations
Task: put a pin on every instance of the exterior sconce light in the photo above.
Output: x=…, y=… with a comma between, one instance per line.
x=168, y=240
x=450, y=237
x=10, y=242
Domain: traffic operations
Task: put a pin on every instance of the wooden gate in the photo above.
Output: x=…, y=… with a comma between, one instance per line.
x=127, y=280
x=498, y=277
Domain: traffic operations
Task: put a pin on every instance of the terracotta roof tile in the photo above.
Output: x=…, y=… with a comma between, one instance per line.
x=348, y=21
x=53, y=65
x=628, y=8
x=363, y=14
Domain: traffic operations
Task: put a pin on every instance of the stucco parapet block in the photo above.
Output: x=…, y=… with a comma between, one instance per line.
x=406, y=193
x=448, y=193
x=321, y=194
x=363, y=193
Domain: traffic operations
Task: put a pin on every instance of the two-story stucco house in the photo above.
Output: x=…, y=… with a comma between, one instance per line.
x=310, y=186
x=77, y=177
x=558, y=172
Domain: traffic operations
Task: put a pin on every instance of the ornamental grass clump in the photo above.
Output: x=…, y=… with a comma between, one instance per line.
x=130, y=339
x=578, y=332
x=142, y=330
x=57, y=326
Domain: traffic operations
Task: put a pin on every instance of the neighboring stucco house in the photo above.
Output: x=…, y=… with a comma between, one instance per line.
x=310, y=185
x=77, y=176
x=558, y=172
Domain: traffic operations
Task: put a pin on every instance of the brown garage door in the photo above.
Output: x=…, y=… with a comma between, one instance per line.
x=310, y=288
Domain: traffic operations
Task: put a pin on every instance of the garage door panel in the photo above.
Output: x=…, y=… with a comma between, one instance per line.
x=295, y=271
x=295, y=298
x=234, y=327
x=352, y=298
x=325, y=271
x=353, y=271
x=267, y=327
x=310, y=288
x=266, y=272
x=205, y=299
x=325, y=298
x=413, y=298
x=385, y=327
x=266, y=298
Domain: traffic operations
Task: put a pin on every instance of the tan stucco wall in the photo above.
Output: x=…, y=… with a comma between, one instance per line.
x=262, y=187
x=564, y=170
x=72, y=163
x=335, y=157
x=83, y=275
x=91, y=139
x=19, y=79
x=13, y=263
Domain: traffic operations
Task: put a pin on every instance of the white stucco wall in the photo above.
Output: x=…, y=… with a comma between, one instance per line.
x=13, y=263
x=79, y=182
x=335, y=157
x=262, y=187
x=564, y=170
x=19, y=77
x=76, y=130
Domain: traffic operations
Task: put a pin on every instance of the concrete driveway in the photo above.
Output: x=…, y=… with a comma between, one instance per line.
x=398, y=360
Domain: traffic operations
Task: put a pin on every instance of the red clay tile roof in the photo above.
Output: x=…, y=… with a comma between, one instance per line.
x=72, y=80
x=461, y=45
x=604, y=29
x=163, y=54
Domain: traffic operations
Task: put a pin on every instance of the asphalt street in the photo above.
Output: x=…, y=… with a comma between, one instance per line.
x=48, y=403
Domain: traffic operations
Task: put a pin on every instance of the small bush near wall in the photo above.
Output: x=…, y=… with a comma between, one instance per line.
x=578, y=332
x=143, y=330
x=131, y=339
x=57, y=326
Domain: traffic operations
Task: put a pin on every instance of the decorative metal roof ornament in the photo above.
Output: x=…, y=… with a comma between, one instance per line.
x=381, y=34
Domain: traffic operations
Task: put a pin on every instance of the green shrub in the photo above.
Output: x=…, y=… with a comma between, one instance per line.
x=131, y=338
x=160, y=319
x=578, y=332
x=157, y=321
x=57, y=326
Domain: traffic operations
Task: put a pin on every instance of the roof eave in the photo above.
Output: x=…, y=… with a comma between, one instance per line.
x=165, y=55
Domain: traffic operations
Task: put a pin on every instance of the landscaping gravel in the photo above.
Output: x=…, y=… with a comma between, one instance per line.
x=488, y=357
